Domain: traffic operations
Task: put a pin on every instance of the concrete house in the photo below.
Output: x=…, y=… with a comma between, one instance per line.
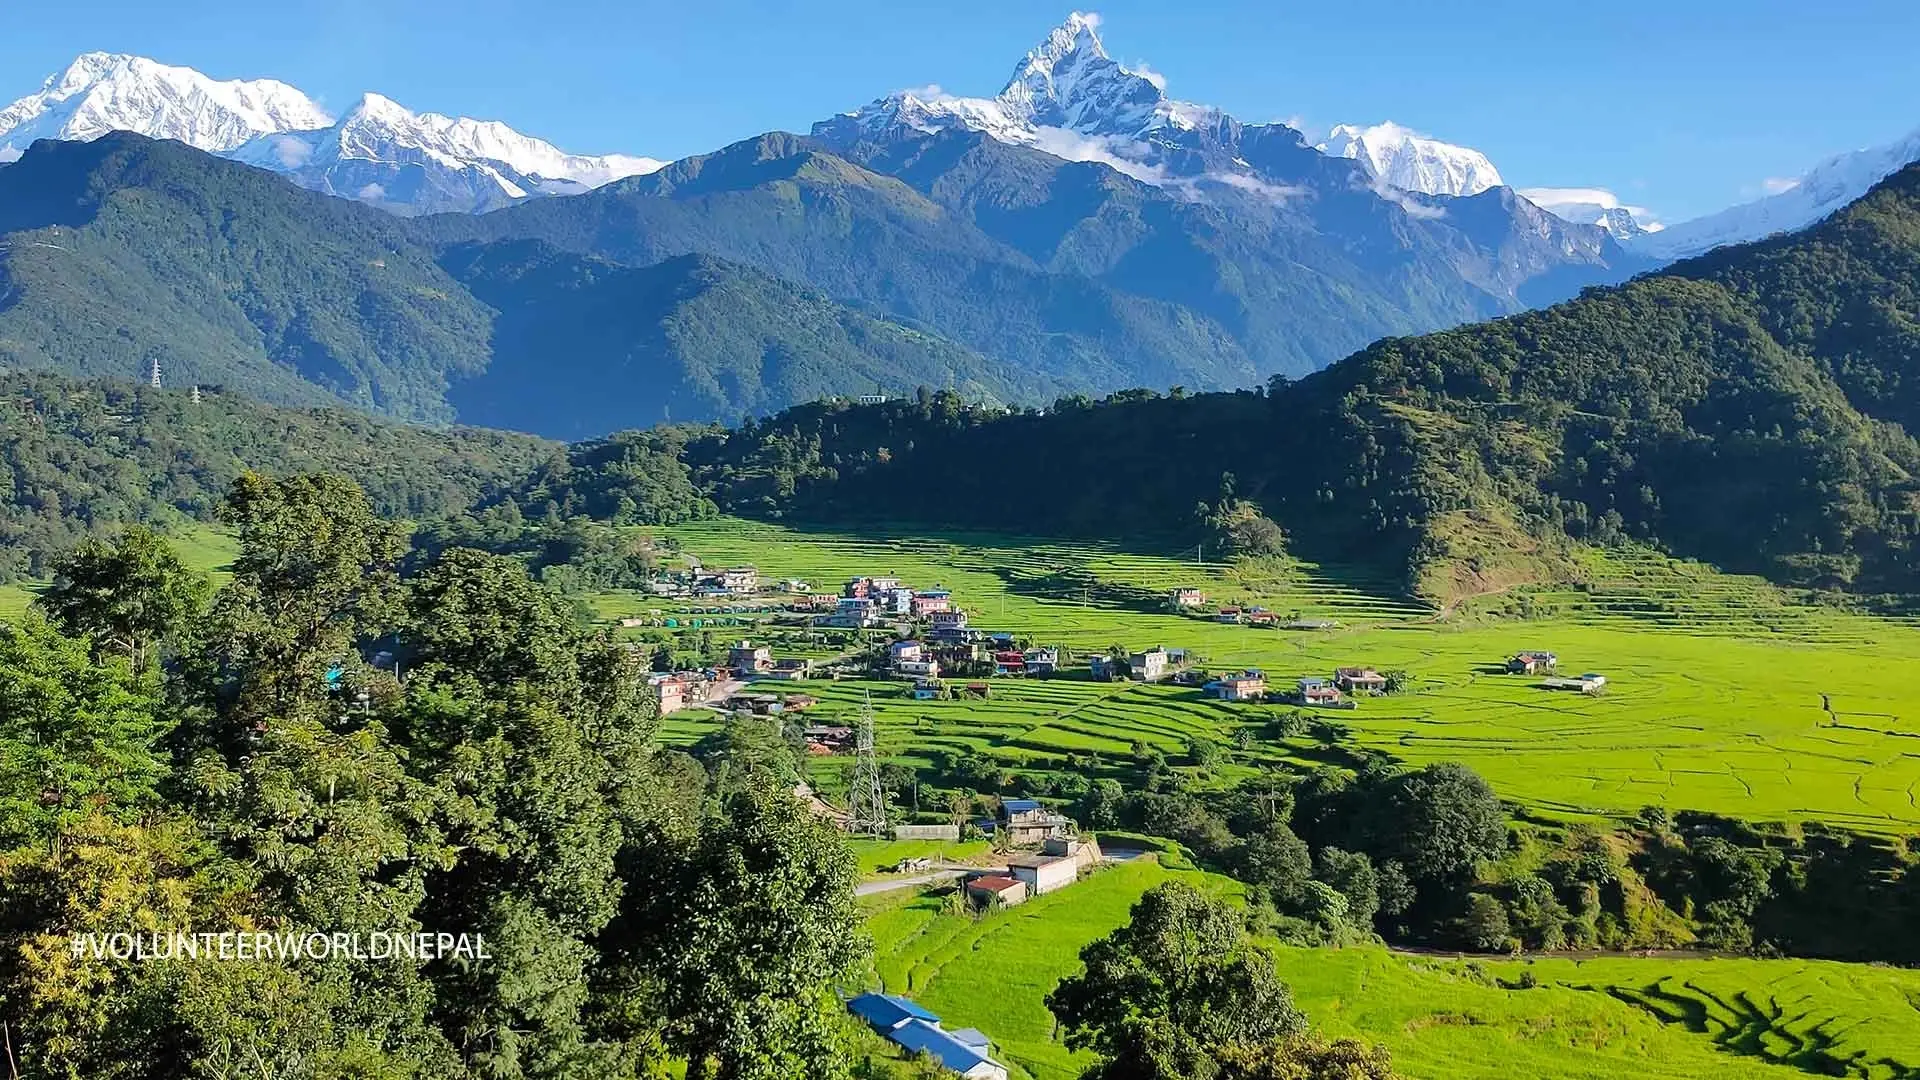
x=950, y=618
x=1532, y=662
x=740, y=579
x=1028, y=823
x=1316, y=692
x=749, y=659
x=1360, y=680
x=931, y=601
x=1149, y=666
x=1042, y=661
x=1044, y=873
x=1188, y=598
x=906, y=650
x=1246, y=686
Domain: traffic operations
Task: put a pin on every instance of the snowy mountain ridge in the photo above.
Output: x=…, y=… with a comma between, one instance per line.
x=379, y=152
x=1820, y=191
x=102, y=92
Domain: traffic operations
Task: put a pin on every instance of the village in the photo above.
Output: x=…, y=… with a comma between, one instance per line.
x=921, y=639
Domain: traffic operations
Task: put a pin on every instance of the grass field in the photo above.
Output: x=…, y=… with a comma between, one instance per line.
x=1725, y=695
x=1443, y=1019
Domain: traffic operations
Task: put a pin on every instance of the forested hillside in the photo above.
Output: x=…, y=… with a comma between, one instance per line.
x=77, y=457
x=124, y=252
x=1743, y=409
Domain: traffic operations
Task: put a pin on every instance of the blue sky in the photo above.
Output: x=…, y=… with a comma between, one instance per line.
x=1684, y=106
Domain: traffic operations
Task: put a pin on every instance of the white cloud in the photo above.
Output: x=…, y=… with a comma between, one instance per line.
x=1416, y=209
x=371, y=191
x=291, y=151
x=1275, y=192
x=1108, y=150
x=1774, y=185
x=1158, y=80
x=1586, y=204
x=9, y=153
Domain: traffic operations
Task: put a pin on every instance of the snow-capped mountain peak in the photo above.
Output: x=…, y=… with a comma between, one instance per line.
x=1410, y=161
x=1595, y=206
x=102, y=92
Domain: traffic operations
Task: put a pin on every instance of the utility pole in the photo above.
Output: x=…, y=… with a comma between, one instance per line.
x=866, y=799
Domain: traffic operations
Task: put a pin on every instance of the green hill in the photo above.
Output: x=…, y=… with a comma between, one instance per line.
x=78, y=457
x=1746, y=409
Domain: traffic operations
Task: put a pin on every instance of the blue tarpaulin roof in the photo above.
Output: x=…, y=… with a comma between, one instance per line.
x=1020, y=806
x=887, y=1011
x=922, y=1037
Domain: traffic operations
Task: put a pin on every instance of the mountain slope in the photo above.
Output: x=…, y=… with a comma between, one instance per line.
x=123, y=252
x=582, y=347
x=786, y=207
x=1745, y=408
x=103, y=92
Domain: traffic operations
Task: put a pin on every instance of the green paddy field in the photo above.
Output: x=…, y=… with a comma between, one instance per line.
x=1443, y=1018
x=1724, y=694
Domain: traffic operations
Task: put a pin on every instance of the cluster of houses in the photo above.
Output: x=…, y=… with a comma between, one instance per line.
x=1190, y=600
x=897, y=1019
x=878, y=601
x=1250, y=685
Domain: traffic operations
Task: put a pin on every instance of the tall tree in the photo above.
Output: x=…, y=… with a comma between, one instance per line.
x=745, y=934
x=128, y=595
x=316, y=572
x=1164, y=996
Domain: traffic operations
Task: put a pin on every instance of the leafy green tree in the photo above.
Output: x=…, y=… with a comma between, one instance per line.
x=743, y=937
x=1277, y=860
x=1485, y=925
x=128, y=595
x=76, y=737
x=1441, y=822
x=1164, y=996
x=1352, y=873
x=315, y=573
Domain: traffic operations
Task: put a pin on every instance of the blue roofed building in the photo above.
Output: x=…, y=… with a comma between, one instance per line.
x=918, y=1031
x=920, y=1037
x=884, y=1012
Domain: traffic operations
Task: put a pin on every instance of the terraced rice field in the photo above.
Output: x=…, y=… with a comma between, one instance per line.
x=1724, y=694
x=1443, y=1018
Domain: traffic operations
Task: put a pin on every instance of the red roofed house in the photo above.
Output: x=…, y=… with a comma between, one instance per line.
x=990, y=887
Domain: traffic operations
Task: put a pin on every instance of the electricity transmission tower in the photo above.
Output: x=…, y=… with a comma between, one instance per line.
x=153, y=375
x=866, y=799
